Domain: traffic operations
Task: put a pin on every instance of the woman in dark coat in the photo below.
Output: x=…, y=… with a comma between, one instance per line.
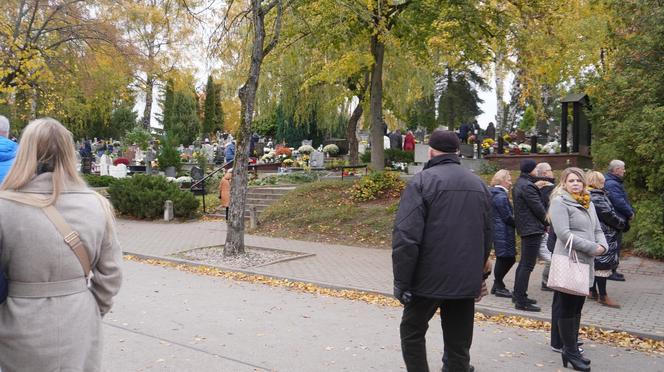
x=504, y=240
x=612, y=224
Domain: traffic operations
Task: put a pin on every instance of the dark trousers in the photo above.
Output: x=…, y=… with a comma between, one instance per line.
x=500, y=269
x=564, y=306
x=456, y=318
x=226, y=213
x=529, y=249
x=600, y=283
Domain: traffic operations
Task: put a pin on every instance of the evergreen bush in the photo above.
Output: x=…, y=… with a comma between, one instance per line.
x=143, y=196
x=378, y=185
x=94, y=180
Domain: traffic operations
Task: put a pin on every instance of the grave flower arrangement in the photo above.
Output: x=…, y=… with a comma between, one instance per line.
x=331, y=149
x=269, y=157
x=287, y=162
x=305, y=150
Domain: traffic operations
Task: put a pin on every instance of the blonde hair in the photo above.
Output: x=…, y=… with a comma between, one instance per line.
x=595, y=179
x=48, y=145
x=500, y=176
x=560, y=188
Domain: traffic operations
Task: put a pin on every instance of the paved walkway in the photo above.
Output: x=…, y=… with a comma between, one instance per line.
x=642, y=295
x=169, y=320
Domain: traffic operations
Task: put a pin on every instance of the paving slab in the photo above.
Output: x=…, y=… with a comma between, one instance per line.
x=169, y=320
x=370, y=269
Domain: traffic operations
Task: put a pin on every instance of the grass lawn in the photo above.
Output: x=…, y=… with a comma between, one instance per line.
x=323, y=212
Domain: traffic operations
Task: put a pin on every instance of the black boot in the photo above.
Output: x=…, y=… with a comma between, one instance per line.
x=577, y=325
x=570, y=352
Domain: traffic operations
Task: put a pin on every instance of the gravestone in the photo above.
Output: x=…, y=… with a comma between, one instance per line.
x=307, y=142
x=197, y=175
x=117, y=171
x=168, y=210
x=104, y=163
x=149, y=157
x=421, y=153
x=317, y=159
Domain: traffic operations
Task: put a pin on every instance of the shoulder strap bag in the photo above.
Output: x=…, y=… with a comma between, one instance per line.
x=567, y=274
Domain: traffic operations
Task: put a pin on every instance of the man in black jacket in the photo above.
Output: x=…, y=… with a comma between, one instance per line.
x=440, y=246
x=530, y=219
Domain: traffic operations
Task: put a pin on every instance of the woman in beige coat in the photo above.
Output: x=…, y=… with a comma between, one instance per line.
x=572, y=214
x=225, y=190
x=51, y=320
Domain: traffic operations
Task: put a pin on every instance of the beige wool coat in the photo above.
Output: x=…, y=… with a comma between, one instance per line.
x=55, y=326
x=569, y=217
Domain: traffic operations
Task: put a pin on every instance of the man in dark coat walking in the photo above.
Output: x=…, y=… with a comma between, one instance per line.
x=440, y=246
x=618, y=197
x=530, y=218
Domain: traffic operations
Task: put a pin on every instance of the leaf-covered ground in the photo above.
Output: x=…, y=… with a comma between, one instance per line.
x=324, y=212
x=620, y=339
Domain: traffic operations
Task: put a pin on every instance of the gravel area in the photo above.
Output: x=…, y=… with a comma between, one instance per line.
x=252, y=257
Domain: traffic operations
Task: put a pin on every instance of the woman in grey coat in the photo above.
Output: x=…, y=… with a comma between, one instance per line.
x=573, y=214
x=51, y=320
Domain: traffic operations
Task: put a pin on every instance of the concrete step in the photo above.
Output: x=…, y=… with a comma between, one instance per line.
x=280, y=190
x=262, y=196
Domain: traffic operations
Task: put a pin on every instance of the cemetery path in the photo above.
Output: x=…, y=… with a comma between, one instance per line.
x=339, y=266
x=169, y=320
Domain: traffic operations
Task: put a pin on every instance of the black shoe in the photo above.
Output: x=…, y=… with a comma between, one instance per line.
x=577, y=363
x=545, y=288
x=471, y=369
x=526, y=300
x=502, y=292
x=618, y=277
x=527, y=307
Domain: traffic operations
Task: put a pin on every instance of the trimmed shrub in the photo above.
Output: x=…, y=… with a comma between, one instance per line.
x=94, y=180
x=647, y=230
x=378, y=185
x=143, y=196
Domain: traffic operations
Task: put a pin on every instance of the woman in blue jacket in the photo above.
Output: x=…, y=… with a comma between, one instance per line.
x=504, y=241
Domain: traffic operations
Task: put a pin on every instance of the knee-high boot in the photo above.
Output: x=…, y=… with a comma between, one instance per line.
x=577, y=325
x=570, y=353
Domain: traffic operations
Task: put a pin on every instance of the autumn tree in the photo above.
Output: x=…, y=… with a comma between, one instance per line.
x=37, y=37
x=258, y=14
x=154, y=31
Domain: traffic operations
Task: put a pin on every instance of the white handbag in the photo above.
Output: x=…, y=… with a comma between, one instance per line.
x=567, y=274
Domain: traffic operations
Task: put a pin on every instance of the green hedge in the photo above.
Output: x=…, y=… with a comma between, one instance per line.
x=94, y=180
x=647, y=229
x=144, y=196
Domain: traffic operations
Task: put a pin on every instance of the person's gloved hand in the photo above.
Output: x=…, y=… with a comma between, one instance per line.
x=403, y=296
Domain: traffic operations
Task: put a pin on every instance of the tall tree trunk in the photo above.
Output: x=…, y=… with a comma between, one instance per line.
x=450, y=103
x=147, y=112
x=376, y=103
x=235, y=225
x=500, y=81
x=351, y=132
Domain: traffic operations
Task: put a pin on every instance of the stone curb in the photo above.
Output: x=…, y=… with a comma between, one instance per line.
x=485, y=310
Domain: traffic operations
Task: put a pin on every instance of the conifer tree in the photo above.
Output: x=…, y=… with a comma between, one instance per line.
x=210, y=108
x=167, y=106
